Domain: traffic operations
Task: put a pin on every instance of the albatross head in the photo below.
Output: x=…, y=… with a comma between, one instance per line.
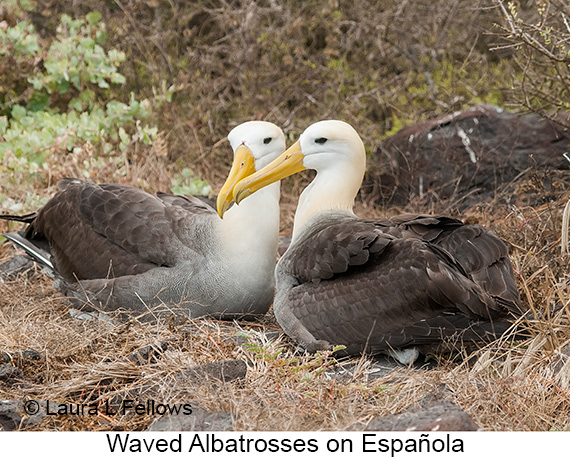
x=255, y=144
x=327, y=145
x=332, y=148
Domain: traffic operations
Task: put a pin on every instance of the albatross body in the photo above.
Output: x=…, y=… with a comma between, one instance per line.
x=118, y=247
x=378, y=285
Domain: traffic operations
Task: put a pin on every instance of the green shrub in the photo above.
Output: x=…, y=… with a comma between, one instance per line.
x=68, y=95
x=56, y=103
x=67, y=98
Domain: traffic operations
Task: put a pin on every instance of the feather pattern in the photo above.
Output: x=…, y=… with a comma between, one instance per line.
x=392, y=283
x=130, y=230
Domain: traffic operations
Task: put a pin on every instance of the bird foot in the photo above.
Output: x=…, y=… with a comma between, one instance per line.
x=405, y=356
x=318, y=345
x=76, y=296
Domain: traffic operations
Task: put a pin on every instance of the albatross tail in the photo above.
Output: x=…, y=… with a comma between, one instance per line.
x=26, y=218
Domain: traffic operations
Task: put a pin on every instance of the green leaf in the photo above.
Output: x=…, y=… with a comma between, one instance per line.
x=87, y=43
x=93, y=18
x=75, y=103
x=18, y=112
x=3, y=124
x=100, y=37
x=27, y=5
x=87, y=96
x=118, y=78
x=38, y=102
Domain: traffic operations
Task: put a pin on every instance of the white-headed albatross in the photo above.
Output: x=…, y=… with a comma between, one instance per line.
x=120, y=247
x=378, y=285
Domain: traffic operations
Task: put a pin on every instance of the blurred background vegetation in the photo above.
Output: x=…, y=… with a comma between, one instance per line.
x=145, y=91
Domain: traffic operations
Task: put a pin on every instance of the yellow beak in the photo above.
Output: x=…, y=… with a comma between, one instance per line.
x=242, y=166
x=287, y=164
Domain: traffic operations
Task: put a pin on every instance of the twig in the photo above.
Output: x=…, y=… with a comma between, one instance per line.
x=565, y=221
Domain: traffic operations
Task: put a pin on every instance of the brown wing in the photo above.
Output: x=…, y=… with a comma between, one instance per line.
x=333, y=249
x=398, y=292
x=479, y=251
x=420, y=226
x=109, y=230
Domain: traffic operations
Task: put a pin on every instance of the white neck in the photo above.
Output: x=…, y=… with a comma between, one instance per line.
x=333, y=189
x=252, y=228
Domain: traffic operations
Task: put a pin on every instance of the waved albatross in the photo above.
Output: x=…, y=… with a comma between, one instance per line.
x=379, y=285
x=118, y=247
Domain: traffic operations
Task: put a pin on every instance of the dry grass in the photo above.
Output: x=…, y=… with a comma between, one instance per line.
x=503, y=386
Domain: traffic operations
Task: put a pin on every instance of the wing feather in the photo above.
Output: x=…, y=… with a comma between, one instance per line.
x=398, y=282
x=111, y=230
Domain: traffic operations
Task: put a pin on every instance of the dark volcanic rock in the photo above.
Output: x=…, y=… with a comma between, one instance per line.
x=21, y=356
x=223, y=370
x=442, y=415
x=13, y=415
x=10, y=374
x=10, y=417
x=17, y=265
x=199, y=420
x=466, y=157
x=26, y=355
x=148, y=354
x=433, y=412
x=30, y=354
x=439, y=415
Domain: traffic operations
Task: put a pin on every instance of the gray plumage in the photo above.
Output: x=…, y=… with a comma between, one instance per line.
x=376, y=285
x=117, y=247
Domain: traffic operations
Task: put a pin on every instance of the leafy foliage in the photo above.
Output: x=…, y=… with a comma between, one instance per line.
x=187, y=183
x=68, y=95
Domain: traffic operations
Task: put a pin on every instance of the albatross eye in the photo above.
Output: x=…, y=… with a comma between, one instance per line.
x=321, y=140
x=267, y=140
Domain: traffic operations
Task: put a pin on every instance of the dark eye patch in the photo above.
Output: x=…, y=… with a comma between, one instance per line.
x=321, y=140
x=267, y=140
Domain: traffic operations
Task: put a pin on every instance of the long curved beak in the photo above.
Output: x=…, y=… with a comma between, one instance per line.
x=242, y=167
x=287, y=164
